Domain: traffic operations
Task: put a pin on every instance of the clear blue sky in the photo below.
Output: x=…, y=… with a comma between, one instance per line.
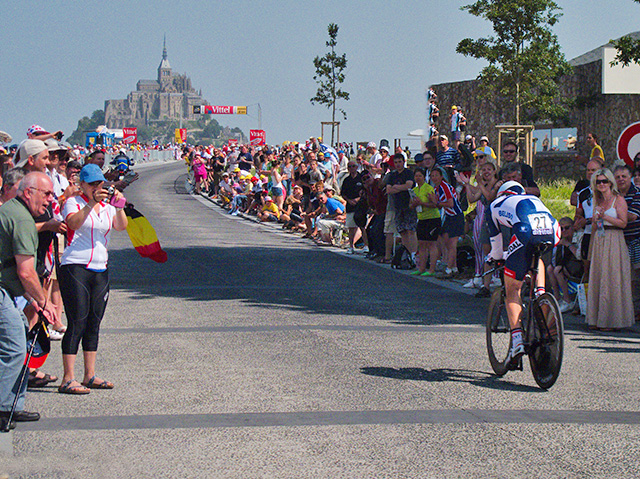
x=62, y=60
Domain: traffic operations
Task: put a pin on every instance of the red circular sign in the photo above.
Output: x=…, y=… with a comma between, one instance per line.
x=629, y=143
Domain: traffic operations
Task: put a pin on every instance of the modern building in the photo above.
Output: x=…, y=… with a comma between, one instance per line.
x=170, y=97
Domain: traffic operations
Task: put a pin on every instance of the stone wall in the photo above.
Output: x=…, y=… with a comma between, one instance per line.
x=604, y=115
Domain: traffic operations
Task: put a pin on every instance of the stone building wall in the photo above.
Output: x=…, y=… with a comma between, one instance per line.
x=604, y=115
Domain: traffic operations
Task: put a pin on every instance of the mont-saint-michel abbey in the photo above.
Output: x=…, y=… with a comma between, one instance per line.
x=169, y=97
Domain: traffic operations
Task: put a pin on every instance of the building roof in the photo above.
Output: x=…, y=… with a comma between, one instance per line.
x=596, y=54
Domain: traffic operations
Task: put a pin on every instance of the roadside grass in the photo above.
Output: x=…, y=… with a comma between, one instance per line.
x=556, y=195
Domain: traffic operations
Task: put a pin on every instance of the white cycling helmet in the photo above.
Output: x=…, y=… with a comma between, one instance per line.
x=511, y=188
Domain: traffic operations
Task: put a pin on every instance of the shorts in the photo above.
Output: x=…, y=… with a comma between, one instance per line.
x=521, y=248
x=429, y=230
x=327, y=226
x=390, y=222
x=453, y=225
x=276, y=191
x=406, y=220
x=350, y=222
x=634, y=253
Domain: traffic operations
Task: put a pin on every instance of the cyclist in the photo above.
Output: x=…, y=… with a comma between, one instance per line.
x=529, y=223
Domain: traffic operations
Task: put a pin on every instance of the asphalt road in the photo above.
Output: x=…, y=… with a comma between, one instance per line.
x=253, y=353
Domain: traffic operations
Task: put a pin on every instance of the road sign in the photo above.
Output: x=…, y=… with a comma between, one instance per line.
x=629, y=143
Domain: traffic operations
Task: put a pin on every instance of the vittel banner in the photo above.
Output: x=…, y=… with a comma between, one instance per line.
x=225, y=110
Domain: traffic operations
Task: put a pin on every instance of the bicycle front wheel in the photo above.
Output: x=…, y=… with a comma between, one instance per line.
x=498, y=333
x=546, y=340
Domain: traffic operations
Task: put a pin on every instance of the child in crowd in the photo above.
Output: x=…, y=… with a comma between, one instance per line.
x=565, y=264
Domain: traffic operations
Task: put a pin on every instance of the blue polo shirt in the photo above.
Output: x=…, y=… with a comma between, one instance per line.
x=333, y=206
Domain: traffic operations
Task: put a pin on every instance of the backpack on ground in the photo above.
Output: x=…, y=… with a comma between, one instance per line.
x=402, y=259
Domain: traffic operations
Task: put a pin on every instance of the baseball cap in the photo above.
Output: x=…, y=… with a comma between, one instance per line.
x=484, y=138
x=27, y=148
x=443, y=137
x=90, y=173
x=36, y=130
x=268, y=198
x=371, y=144
x=385, y=148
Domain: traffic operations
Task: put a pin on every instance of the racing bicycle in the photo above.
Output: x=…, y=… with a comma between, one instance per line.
x=542, y=328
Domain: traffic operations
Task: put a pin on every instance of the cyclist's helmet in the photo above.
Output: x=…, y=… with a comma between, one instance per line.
x=511, y=188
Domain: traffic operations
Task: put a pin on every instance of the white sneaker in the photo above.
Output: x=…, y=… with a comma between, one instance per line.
x=477, y=281
x=55, y=335
x=564, y=306
x=350, y=250
x=365, y=250
x=470, y=284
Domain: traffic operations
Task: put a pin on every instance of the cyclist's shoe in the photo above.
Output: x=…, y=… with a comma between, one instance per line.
x=515, y=357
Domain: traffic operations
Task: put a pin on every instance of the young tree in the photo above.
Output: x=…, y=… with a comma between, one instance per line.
x=525, y=60
x=329, y=75
x=628, y=50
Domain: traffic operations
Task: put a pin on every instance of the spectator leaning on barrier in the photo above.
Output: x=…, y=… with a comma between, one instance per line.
x=18, y=277
x=631, y=193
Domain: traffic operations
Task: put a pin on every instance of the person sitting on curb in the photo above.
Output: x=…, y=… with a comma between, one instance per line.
x=333, y=217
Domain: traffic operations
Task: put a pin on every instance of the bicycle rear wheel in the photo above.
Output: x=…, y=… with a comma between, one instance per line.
x=546, y=341
x=498, y=333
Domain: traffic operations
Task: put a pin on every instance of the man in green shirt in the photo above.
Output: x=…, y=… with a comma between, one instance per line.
x=18, y=277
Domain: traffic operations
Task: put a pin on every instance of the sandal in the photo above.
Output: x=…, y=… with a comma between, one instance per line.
x=91, y=384
x=39, y=382
x=66, y=388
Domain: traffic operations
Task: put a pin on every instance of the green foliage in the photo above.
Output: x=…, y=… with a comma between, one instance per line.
x=556, y=195
x=525, y=60
x=628, y=50
x=86, y=124
x=329, y=75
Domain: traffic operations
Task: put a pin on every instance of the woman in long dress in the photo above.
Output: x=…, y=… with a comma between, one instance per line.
x=609, y=299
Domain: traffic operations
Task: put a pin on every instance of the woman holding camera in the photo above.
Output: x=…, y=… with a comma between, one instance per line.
x=84, y=279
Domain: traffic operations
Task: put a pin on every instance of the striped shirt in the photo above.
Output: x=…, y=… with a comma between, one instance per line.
x=632, y=231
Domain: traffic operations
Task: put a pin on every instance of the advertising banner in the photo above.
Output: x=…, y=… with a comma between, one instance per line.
x=181, y=135
x=257, y=137
x=224, y=110
x=130, y=135
x=233, y=142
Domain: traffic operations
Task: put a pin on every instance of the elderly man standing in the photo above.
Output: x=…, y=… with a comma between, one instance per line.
x=398, y=185
x=631, y=193
x=18, y=277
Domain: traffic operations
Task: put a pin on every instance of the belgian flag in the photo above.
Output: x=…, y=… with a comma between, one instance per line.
x=143, y=236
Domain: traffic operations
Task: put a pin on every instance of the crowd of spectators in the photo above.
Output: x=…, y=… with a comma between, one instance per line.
x=384, y=203
x=57, y=210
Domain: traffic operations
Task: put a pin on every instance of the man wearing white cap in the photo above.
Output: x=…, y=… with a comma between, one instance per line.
x=32, y=154
x=375, y=159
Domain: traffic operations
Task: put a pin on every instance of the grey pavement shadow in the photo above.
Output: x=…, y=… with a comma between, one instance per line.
x=476, y=378
x=298, y=279
x=608, y=344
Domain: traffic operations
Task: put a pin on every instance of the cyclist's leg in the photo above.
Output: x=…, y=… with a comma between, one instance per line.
x=517, y=261
x=513, y=301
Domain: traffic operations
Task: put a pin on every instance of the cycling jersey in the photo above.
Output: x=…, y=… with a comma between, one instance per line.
x=530, y=223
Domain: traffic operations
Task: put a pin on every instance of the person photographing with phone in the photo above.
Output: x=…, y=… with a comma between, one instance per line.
x=84, y=278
